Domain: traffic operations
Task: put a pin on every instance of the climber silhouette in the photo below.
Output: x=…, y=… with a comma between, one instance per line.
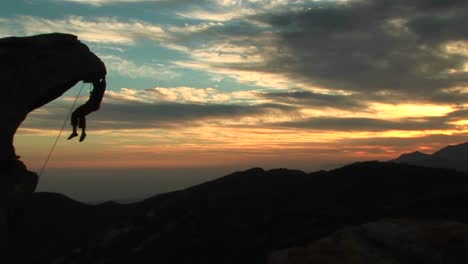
x=78, y=117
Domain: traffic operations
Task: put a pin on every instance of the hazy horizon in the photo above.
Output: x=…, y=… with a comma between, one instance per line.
x=98, y=185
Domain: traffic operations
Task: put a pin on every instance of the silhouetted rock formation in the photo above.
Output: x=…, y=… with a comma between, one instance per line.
x=386, y=241
x=242, y=217
x=35, y=71
x=452, y=156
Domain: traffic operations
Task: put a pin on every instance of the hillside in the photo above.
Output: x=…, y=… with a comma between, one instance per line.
x=239, y=218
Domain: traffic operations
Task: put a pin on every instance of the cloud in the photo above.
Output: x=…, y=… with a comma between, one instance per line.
x=201, y=14
x=367, y=47
x=457, y=47
x=169, y=108
x=428, y=143
x=186, y=107
x=229, y=10
x=370, y=46
x=175, y=107
x=416, y=50
x=367, y=124
x=110, y=2
x=133, y=70
x=138, y=115
x=248, y=77
x=317, y=100
x=100, y=30
x=193, y=28
x=185, y=95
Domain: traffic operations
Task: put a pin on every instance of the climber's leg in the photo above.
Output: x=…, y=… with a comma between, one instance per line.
x=74, y=123
x=83, y=128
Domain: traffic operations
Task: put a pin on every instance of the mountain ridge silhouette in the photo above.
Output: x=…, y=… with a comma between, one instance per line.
x=451, y=156
x=241, y=217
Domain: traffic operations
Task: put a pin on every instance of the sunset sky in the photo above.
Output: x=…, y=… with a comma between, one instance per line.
x=303, y=84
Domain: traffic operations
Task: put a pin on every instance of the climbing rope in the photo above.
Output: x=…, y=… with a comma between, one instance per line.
x=61, y=130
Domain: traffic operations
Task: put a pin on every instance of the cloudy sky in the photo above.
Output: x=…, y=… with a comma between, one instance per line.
x=241, y=83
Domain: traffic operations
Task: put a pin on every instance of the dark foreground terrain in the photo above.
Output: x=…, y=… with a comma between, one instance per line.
x=240, y=218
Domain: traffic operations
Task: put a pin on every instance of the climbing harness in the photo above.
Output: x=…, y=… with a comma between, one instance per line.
x=61, y=130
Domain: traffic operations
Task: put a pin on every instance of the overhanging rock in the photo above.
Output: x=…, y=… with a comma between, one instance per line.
x=34, y=71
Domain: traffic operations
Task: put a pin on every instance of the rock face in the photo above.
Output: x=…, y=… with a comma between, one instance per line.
x=33, y=72
x=386, y=241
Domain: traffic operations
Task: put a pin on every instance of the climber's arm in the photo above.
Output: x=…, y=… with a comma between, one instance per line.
x=95, y=99
x=99, y=88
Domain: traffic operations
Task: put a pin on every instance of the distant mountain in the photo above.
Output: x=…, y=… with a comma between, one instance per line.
x=239, y=218
x=452, y=156
x=459, y=151
x=413, y=157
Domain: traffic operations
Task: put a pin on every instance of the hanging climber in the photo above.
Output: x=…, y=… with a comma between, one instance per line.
x=78, y=117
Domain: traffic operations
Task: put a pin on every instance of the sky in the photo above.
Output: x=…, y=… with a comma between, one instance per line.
x=233, y=84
